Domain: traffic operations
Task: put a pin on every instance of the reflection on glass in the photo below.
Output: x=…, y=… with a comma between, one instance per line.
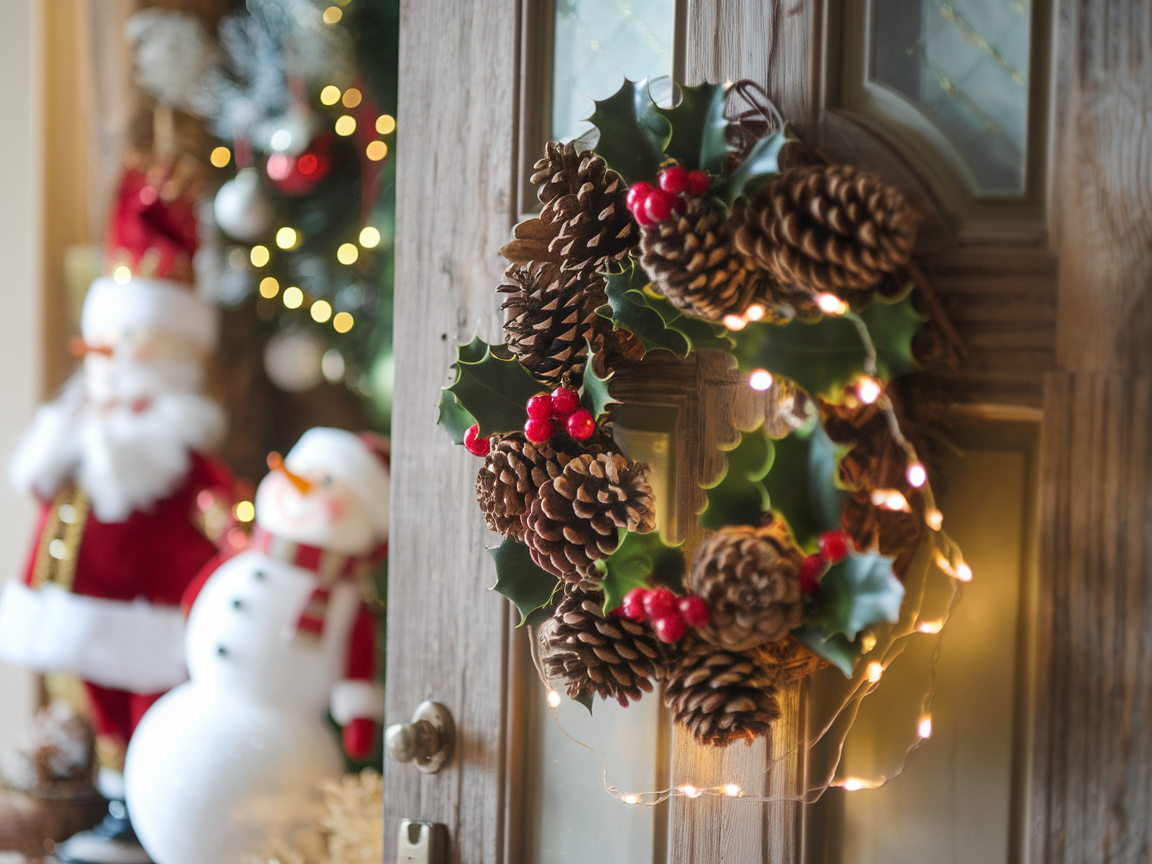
x=598, y=43
x=964, y=65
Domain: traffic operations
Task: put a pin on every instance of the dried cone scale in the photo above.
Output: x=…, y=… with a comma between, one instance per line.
x=750, y=579
x=828, y=228
x=692, y=261
x=720, y=696
x=507, y=482
x=575, y=519
x=607, y=656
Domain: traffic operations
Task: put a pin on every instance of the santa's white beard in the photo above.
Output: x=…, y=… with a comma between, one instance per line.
x=126, y=455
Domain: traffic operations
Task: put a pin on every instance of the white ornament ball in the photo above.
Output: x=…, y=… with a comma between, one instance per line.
x=293, y=360
x=242, y=208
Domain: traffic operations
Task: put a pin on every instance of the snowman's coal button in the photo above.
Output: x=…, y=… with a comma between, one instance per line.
x=237, y=603
x=221, y=650
x=259, y=574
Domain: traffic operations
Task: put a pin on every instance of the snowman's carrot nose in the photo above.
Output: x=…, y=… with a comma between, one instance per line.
x=276, y=463
x=77, y=347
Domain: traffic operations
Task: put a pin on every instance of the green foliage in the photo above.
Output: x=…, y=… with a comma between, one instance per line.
x=520, y=580
x=739, y=496
x=633, y=133
x=698, y=126
x=594, y=393
x=892, y=324
x=452, y=418
x=638, y=560
x=821, y=357
x=802, y=484
x=856, y=593
x=837, y=649
x=761, y=165
x=491, y=386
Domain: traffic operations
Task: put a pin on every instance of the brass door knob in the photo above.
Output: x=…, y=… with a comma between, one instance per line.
x=427, y=740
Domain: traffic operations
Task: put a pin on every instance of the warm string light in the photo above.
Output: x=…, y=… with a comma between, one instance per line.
x=868, y=389
x=733, y=791
x=259, y=256
x=342, y=322
x=959, y=571
x=369, y=238
x=553, y=698
x=347, y=253
x=269, y=287
x=924, y=727
x=345, y=125
x=874, y=671
x=691, y=791
x=121, y=274
x=760, y=380
x=286, y=237
x=890, y=499
x=330, y=95
x=220, y=157
x=631, y=799
x=332, y=15
x=735, y=322
x=917, y=475
x=293, y=297
x=855, y=784
x=351, y=97
x=244, y=511
x=376, y=151
x=321, y=311
x=755, y=312
x=830, y=304
x=385, y=124
x=934, y=518
x=930, y=626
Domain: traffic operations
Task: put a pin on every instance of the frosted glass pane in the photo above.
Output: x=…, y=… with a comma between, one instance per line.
x=964, y=65
x=598, y=43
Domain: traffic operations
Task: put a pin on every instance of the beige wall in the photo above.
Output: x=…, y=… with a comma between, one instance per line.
x=21, y=288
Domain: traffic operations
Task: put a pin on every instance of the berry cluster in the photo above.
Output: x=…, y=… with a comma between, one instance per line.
x=670, y=615
x=651, y=205
x=833, y=549
x=548, y=413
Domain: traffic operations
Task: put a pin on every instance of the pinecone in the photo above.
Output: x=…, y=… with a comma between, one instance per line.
x=786, y=660
x=720, y=696
x=894, y=533
x=608, y=656
x=750, y=578
x=828, y=228
x=513, y=471
x=550, y=317
x=575, y=519
x=585, y=199
x=692, y=260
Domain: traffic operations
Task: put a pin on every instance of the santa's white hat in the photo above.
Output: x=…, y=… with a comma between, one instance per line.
x=147, y=304
x=354, y=460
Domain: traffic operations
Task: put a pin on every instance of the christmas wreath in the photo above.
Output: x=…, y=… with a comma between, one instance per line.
x=706, y=226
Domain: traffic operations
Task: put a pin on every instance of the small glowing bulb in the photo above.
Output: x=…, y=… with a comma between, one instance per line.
x=868, y=390
x=830, y=304
x=347, y=253
x=293, y=297
x=345, y=125
x=934, y=518
x=332, y=15
x=281, y=140
x=342, y=322
x=352, y=97
x=924, y=727
x=890, y=499
x=244, y=511
x=867, y=642
x=553, y=698
x=385, y=124
x=330, y=95
x=269, y=287
x=220, y=157
x=852, y=785
x=691, y=791
x=930, y=626
x=631, y=799
x=755, y=312
x=963, y=572
x=376, y=150
x=875, y=669
x=121, y=274
x=761, y=379
x=916, y=474
x=321, y=311
x=733, y=791
x=735, y=322
x=259, y=256
x=286, y=237
x=369, y=238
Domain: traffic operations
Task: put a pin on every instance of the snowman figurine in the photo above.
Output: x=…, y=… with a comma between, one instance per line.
x=228, y=763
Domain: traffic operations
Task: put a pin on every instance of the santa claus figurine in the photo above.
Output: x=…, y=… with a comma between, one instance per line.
x=279, y=637
x=119, y=462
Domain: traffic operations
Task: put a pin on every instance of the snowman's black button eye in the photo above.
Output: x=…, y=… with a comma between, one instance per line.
x=237, y=603
x=259, y=574
x=221, y=650
x=327, y=480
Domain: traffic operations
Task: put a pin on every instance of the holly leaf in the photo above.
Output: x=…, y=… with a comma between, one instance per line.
x=802, y=484
x=836, y=648
x=698, y=126
x=594, y=393
x=585, y=698
x=520, y=580
x=856, y=593
x=633, y=133
x=452, y=418
x=638, y=559
x=761, y=164
x=738, y=496
x=892, y=324
x=821, y=356
x=494, y=389
x=696, y=331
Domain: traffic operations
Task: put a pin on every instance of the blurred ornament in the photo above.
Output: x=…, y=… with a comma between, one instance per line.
x=174, y=54
x=332, y=365
x=242, y=208
x=293, y=359
x=290, y=133
x=298, y=175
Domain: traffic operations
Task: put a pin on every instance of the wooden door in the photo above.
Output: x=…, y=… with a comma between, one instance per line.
x=1051, y=300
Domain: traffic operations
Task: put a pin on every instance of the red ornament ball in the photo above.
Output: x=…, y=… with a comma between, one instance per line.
x=698, y=183
x=473, y=443
x=694, y=610
x=540, y=407
x=674, y=180
x=633, y=606
x=810, y=572
x=669, y=628
x=538, y=430
x=833, y=546
x=659, y=603
x=580, y=425
x=564, y=402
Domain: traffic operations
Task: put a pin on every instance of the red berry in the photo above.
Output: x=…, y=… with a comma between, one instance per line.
x=833, y=546
x=618, y=612
x=473, y=443
x=670, y=628
x=564, y=402
x=659, y=205
x=637, y=192
x=698, y=183
x=633, y=606
x=580, y=425
x=540, y=406
x=810, y=572
x=660, y=602
x=694, y=610
x=538, y=430
x=641, y=215
x=674, y=180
